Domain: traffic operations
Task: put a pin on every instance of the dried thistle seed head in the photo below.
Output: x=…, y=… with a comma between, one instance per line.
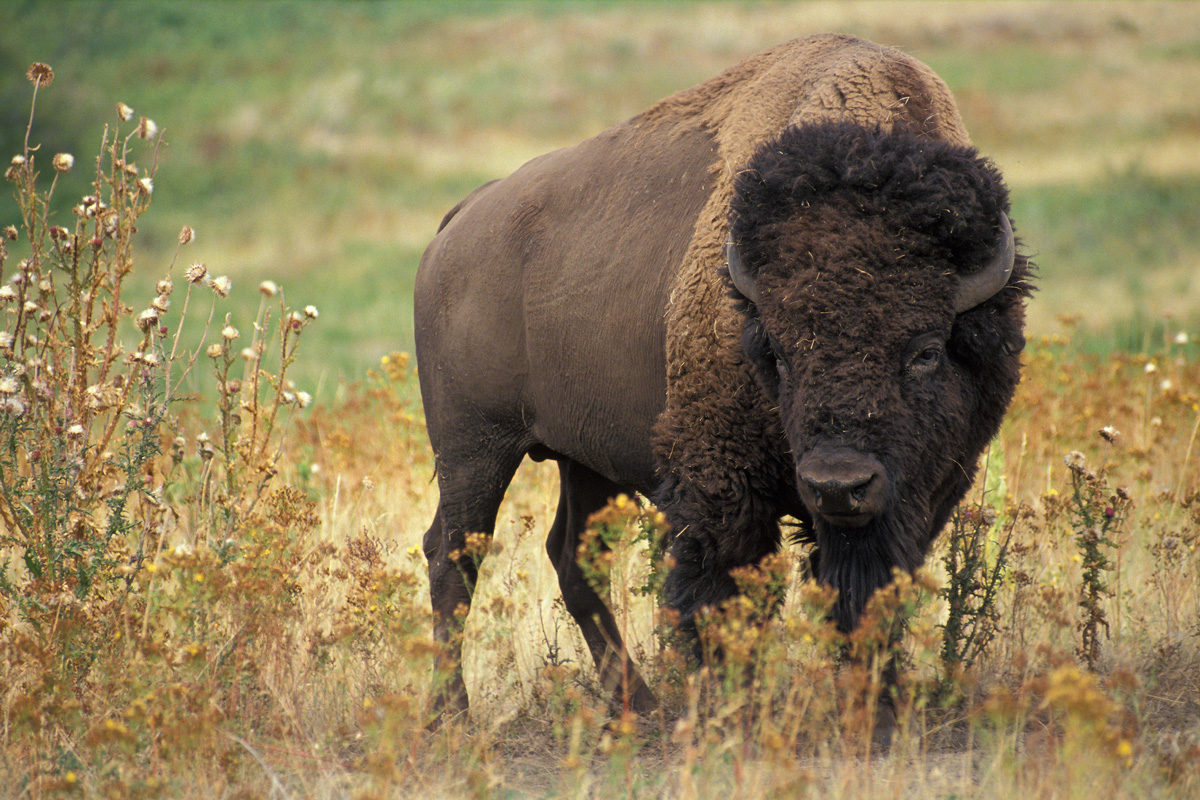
x=7, y=292
x=146, y=185
x=161, y=303
x=40, y=74
x=196, y=272
x=268, y=288
x=63, y=162
x=303, y=399
x=214, y=351
x=9, y=385
x=1075, y=461
x=30, y=307
x=221, y=285
x=146, y=128
x=248, y=354
x=124, y=112
x=186, y=234
x=229, y=333
x=147, y=319
x=10, y=233
x=311, y=312
x=12, y=406
x=164, y=286
x=75, y=431
x=6, y=340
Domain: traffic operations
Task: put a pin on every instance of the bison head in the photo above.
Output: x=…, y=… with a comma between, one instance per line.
x=883, y=301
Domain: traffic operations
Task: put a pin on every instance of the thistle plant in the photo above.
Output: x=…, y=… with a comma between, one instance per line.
x=1095, y=512
x=95, y=463
x=80, y=410
x=971, y=593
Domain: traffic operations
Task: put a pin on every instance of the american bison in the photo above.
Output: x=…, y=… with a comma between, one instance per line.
x=791, y=290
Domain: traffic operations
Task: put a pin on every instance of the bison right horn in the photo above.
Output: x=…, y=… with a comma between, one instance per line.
x=974, y=289
x=742, y=280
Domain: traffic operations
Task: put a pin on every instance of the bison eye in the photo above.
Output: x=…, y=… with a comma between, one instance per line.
x=781, y=367
x=926, y=359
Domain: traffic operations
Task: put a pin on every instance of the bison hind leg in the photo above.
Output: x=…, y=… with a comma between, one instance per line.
x=471, y=489
x=582, y=492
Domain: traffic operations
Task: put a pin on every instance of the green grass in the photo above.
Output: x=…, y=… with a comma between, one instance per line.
x=317, y=144
x=1006, y=68
x=1125, y=225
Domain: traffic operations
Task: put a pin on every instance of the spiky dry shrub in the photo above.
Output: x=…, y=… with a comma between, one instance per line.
x=149, y=569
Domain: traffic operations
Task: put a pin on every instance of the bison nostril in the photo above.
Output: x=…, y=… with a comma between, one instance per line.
x=844, y=485
x=840, y=496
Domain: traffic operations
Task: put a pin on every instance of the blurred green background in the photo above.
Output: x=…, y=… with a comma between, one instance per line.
x=317, y=144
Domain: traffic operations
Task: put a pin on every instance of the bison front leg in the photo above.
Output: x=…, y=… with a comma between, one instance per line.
x=582, y=493
x=716, y=535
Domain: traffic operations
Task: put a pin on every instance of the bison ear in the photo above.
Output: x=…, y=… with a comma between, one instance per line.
x=742, y=280
x=975, y=289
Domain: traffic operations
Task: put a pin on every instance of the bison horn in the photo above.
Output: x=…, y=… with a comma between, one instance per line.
x=974, y=289
x=742, y=280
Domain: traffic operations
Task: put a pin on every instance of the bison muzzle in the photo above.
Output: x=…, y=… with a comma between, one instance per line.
x=793, y=290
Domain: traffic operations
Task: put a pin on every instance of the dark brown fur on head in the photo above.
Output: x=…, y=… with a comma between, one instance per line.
x=855, y=239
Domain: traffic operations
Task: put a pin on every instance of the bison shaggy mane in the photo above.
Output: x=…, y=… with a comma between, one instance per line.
x=947, y=194
x=936, y=197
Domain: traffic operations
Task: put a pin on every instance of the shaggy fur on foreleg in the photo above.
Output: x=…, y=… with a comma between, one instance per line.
x=708, y=547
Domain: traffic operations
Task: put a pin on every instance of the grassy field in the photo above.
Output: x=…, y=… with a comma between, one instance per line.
x=255, y=620
x=319, y=144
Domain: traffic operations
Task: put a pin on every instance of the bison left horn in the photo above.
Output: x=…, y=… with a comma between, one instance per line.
x=742, y=280
x=974, y=289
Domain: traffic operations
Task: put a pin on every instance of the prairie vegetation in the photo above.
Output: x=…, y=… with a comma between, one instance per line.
x=211, y=587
